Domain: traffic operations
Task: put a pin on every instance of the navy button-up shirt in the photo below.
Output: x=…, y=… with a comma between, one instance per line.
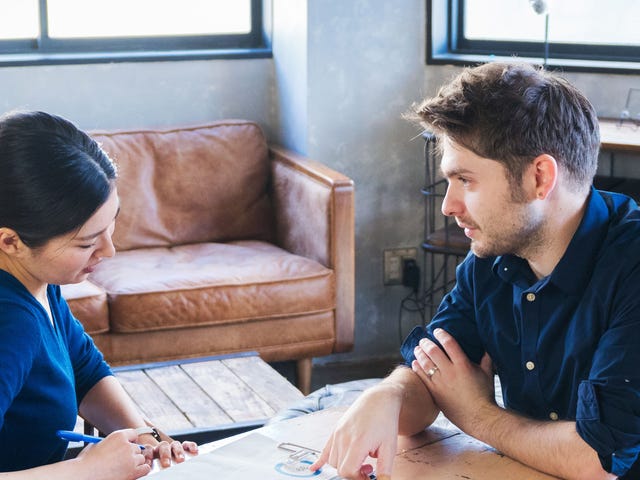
x=566, y=346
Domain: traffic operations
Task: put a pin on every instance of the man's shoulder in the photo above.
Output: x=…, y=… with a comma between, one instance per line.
x=618, y=260
x=621, y=207
x=624, y=225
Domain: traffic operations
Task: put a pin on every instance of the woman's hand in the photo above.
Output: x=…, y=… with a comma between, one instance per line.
x=117, y=456
x=166, y=450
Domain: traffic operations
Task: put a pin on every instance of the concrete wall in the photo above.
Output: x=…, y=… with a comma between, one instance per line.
x=129, y=95
x=343, y=73
x=366, y=69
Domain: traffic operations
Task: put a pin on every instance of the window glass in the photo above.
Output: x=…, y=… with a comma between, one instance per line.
x=146, y=18
x=18, y=19
x=44, y=32
x=614, y=22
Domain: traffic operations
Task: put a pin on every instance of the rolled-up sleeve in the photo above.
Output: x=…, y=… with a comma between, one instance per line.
x=608, y=407
x=410, y=343
x=607, y=418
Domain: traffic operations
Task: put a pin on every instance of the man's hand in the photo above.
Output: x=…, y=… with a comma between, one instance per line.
x=458, y=386
x=465, y=393
x=368, y=428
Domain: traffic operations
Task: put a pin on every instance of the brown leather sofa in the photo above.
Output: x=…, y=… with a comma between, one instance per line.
x=224, y=244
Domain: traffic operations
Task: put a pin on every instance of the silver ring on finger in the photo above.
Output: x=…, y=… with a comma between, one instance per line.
x=432, y=371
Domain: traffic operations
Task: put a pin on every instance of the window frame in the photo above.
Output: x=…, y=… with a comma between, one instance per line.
x=45, y=50
x=445, y=44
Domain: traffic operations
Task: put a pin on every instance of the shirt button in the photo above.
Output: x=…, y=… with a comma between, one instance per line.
x=553, y=416
x=530, y=365
x=531, y=297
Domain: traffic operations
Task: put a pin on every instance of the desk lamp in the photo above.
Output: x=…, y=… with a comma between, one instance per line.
x=542, y=8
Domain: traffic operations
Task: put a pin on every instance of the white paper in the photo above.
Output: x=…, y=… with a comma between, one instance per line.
x=253, y=456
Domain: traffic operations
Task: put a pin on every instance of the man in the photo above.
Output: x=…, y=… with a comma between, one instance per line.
x=548, y=298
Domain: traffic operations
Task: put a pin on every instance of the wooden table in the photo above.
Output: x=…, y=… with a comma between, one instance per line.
x=441, y=452
x=204, y=399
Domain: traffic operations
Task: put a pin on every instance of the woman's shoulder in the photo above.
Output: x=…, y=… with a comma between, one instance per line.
x=19, y=312
x=12, y=291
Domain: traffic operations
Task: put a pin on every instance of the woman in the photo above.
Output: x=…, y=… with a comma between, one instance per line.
x=58, y=204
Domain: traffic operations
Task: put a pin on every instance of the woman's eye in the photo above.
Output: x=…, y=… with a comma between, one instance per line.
x=87, y=246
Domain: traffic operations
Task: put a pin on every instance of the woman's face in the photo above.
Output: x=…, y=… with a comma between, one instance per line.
x=70, y=258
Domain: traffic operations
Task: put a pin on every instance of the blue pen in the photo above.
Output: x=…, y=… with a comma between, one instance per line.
x=79, y=437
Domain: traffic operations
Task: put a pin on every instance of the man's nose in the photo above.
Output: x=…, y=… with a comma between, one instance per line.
x=452, y=206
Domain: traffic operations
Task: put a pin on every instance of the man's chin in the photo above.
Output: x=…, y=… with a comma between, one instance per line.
x=481, y=251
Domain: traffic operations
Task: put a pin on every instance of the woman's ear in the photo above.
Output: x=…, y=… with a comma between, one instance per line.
x=10, y=242
x=546, y=175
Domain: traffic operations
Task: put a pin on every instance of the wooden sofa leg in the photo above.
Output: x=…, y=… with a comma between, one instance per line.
x=303, y=372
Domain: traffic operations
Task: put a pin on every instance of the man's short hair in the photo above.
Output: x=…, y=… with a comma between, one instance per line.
x=513, y=112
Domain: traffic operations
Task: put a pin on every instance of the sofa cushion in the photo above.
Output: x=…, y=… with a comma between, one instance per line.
x=276, y=339
x=88, y=303
x=187, y=185
x=211, y=283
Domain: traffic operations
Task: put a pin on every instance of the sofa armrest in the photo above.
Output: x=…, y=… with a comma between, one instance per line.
x=314, y=210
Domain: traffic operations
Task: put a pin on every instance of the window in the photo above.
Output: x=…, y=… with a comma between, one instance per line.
x=82, y=31
x=588, y=35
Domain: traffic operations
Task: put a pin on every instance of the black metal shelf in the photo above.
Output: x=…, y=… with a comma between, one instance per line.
x=445, y=244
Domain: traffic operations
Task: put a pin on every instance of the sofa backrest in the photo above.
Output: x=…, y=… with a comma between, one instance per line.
x=205, y=183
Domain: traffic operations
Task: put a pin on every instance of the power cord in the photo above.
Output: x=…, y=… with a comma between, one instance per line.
x=412, y=303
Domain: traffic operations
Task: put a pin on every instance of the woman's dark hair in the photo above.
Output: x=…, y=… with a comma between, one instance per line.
x=53, y=177
x=512, y=113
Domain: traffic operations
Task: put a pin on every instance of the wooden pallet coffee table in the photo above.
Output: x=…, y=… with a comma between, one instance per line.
x=203, y=399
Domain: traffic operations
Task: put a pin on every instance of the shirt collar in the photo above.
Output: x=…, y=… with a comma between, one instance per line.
x=514, y=270
x=574, y=268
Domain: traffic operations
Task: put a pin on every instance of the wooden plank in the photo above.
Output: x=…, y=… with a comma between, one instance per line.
x=235, y=397
x=207, y=393
x=267, y=383
x=196, y=405
x=152, y=401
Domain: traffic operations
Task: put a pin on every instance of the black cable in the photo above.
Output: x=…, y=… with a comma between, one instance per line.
x=412, y=303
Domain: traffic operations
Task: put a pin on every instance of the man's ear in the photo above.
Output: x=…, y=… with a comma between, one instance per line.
x=545, y=169
x=10, y=242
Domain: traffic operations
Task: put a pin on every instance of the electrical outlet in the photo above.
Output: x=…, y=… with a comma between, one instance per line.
x=393, y=265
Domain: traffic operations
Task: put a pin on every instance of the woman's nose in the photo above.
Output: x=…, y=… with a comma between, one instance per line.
x=107, y=248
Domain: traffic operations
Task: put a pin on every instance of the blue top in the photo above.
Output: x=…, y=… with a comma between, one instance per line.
x=566, y=346
x=45, y=373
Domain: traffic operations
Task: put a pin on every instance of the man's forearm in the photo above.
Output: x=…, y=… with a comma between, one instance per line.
x=551, y=447
x=418, y=409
